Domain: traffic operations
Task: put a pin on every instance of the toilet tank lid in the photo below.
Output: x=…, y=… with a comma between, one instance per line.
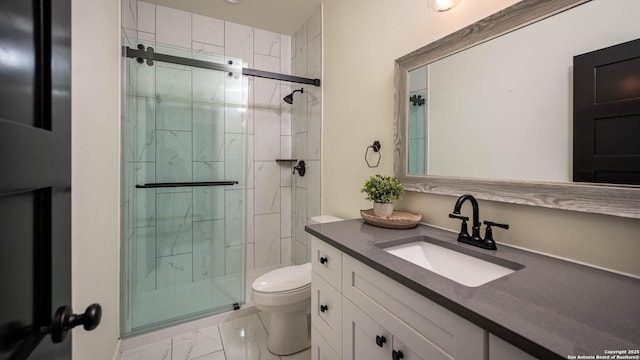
x=321, y=219
x=284, y=279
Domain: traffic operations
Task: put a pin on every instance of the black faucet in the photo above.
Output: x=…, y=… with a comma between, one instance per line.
x=474, y=239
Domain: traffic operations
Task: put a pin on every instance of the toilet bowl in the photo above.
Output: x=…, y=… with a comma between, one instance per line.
x=285, y=293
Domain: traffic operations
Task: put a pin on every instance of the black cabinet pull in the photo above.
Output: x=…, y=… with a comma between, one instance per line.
x=323, y=260
x=324, y=308
x=397, y=355
x=380, y=340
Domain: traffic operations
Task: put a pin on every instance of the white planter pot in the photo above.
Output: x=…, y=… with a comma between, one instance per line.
x=383, y=209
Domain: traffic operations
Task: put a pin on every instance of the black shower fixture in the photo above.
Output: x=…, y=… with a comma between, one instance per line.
x=417, y=100
x=289, y=98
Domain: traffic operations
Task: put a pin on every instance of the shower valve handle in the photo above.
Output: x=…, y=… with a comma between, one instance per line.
x=301, y=167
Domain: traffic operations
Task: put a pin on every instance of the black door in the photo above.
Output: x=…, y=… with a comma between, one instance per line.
x=606, y=115
x=35, y=181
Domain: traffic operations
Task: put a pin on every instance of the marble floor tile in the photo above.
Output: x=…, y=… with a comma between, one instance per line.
x=218, y=355
x=155, y=351
x=197, y=344
x=245, y=339
x=266, y=319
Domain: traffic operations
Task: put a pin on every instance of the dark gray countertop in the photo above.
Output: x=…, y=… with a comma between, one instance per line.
x=550, y=308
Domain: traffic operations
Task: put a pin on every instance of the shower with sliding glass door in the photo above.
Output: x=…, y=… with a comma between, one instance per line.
x=183, y=186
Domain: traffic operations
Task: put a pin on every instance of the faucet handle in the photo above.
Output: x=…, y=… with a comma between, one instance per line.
x=457, y=216
x=489, y=243
x=464, y=233
x=491, y=223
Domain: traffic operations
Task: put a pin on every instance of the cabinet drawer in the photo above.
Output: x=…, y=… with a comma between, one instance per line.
x=326, y=311
x=320, y=349
x=327, y=261
x=387, y=299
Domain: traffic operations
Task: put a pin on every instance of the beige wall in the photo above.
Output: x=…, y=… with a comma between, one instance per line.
x=95, y=171
x=362, y=38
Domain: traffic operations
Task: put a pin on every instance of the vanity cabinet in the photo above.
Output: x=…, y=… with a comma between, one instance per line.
x=415, y=325
x=361, y=314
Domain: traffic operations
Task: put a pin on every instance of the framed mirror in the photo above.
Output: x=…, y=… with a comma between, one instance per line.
x=504, y=133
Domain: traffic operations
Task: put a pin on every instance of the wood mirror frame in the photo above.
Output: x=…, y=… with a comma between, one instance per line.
x=616, y=200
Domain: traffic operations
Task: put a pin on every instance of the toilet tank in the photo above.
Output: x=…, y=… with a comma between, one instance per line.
x=321, y=219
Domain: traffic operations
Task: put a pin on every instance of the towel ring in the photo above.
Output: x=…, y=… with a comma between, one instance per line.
x=376, y=149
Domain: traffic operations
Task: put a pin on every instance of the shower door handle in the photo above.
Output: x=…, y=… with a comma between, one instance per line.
x=186, y=184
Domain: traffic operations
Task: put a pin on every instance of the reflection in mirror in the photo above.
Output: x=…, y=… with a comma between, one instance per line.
x=418, y=121
x=503, y=109
x=530, y=82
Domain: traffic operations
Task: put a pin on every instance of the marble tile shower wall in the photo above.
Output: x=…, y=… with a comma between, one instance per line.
x=306, y=125
x=204, y=214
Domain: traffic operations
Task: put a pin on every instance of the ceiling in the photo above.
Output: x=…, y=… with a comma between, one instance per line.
x=280, y=16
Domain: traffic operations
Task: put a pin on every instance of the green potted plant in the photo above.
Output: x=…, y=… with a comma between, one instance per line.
x=382, y=190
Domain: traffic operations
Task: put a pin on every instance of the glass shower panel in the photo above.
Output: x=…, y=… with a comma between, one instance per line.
x=183, y=246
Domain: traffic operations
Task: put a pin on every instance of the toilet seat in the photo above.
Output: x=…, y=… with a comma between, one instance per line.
x=284, y=280
x=285, y=292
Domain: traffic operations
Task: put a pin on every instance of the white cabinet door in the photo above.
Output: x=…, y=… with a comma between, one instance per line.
x=404, y=352
x=364, y=339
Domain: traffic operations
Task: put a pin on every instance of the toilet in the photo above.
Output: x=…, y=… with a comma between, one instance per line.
x=285, y=293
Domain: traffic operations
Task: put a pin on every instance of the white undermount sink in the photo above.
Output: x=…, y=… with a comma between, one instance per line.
x=461, y=268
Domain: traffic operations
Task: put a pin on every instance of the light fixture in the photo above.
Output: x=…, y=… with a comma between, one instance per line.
x=233, y=2
x=441, y=5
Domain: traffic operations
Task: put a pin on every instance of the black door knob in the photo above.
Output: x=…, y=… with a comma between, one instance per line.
x=323, y=308
x=65, y=320
x=397, y=355
x=380, y=340
x=323, y=260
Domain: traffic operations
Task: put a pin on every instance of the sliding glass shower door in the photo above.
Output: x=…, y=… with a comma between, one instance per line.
x=183, y=189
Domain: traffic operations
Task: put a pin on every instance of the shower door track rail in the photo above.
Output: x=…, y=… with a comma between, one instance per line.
x=141, y=54
x=185, y=184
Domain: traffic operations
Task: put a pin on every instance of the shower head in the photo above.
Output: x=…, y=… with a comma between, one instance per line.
x=289, y=98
